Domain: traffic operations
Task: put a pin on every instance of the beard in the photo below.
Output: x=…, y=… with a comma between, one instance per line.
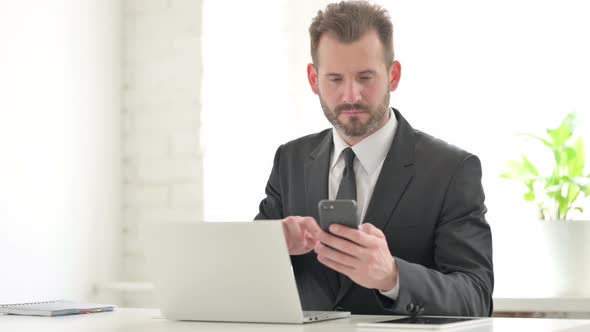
x=355, y=127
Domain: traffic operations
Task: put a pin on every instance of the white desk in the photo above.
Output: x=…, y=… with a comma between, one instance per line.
x=578, y=305
x=146, y=320
x=557, y=304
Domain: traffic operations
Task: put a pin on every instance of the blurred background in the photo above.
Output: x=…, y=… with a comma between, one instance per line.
x=117, y=113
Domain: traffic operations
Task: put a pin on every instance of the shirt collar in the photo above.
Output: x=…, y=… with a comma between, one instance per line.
x=372, y=150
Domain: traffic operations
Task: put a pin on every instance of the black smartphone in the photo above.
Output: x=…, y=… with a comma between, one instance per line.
x=340, y=211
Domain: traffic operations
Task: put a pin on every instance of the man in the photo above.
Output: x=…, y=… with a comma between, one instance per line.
x=424, y=246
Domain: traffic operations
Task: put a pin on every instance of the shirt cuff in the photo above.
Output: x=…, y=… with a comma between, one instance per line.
x=394, y=292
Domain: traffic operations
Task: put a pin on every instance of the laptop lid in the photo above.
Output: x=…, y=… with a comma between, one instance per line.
x=230, y=271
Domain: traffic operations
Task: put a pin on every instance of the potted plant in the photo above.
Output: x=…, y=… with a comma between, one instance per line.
x=560, y=195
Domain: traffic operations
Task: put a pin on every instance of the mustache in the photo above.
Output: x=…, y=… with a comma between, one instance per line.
x=348, y=107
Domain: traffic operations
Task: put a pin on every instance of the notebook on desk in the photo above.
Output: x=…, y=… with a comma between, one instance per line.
x=230, y=272
x=53, y=308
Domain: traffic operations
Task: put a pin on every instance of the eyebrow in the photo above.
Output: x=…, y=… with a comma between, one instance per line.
x=332, y=75
x=368, y=71
x=364, y=72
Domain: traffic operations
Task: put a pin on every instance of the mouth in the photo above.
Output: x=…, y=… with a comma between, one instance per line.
x=352, y=112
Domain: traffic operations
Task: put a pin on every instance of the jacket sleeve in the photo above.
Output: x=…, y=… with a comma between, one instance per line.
x=271, y=206
x=462, y=280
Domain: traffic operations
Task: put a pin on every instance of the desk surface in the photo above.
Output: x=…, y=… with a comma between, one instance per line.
x=556, y=304
x=146, y=320
x=501, y=304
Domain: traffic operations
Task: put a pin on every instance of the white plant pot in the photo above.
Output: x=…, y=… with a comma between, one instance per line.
x=567, y=247
x=541, y=259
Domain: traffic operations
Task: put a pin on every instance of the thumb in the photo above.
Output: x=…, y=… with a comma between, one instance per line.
x=372, y=230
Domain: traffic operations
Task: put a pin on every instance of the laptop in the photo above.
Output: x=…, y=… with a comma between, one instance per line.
x=225, y=272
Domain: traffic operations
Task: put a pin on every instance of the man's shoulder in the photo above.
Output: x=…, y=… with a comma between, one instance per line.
x=427, y=147
x=306, y=144
x=433, y=148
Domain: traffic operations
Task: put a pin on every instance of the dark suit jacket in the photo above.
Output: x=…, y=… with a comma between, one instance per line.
x=428, y=201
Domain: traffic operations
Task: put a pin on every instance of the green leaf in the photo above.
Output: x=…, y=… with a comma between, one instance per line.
x=520, y=170
x=585, y=190
x=507, y=176
x=529, y=167
x=572, y=192
x=563, y=208
x=560, y=158
x=570, y=153
x=530, y=195
x=564, y=132
x=547, y=143
x=576, y=158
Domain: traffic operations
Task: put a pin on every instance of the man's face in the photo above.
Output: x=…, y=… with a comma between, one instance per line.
x=353, y=83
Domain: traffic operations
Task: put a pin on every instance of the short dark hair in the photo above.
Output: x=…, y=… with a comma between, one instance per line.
x=349, y=21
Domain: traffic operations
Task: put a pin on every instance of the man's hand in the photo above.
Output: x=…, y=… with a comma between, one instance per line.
x=362, y=255
x=302, y=234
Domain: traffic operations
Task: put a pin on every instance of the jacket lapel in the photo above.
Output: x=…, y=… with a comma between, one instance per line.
x=316, y=175
x=395, y=176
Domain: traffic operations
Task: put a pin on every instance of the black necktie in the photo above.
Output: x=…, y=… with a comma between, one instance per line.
x=347, y=189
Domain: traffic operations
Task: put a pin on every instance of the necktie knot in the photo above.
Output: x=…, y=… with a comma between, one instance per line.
x=348, y=157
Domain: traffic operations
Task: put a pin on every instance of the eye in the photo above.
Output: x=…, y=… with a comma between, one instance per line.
x=366, y=77
x=334, y=79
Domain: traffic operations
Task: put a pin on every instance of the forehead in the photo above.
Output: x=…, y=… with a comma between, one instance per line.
x=365, y=53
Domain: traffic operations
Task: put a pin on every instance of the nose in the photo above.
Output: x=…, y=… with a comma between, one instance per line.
x=352, y=92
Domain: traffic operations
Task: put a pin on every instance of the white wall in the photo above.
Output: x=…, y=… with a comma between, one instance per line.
x=59, y=148
x=255, y=97
x=162, y=162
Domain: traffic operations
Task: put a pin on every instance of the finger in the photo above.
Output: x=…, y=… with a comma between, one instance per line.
x=372, y=230
x=311, y=226
x=342, y=245
x=286, y=231
x=336, y=266
x=294, y=231
x=351, y=234
x=336, y=256
x=311, y=241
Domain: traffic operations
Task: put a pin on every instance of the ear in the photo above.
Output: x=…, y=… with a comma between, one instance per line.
x=312, y=77
x=395, y=74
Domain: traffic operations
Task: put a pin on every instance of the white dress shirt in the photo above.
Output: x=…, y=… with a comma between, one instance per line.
x=370, y=155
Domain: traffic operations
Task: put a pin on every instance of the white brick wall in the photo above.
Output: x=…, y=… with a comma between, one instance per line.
x=162, y=159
